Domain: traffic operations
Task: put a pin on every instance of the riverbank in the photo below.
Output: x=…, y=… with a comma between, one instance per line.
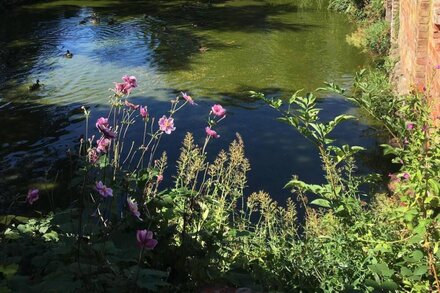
x=125, y=229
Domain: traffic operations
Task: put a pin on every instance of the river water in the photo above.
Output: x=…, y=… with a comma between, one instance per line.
x=271, y=46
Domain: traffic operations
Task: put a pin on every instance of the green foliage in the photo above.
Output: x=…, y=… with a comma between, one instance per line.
x=373, y=31
x=210, y=232
x=377, y=37
x=393, y=245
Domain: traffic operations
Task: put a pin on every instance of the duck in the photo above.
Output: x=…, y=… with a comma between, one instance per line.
x=111, y=21
x=94, y=18
x=68, y=54
x=203, y=49
x=35, y=86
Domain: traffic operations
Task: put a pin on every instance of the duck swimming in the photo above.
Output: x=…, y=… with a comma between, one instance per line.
x=111, y=21
x=68, y=54
x=35, y=86
x=94, y=18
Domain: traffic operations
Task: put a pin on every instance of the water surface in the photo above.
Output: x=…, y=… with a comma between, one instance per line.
x=273, y=46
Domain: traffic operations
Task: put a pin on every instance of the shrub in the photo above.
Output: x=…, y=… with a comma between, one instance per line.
x=377, y=37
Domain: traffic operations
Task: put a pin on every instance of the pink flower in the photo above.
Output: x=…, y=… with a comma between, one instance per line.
x=393, y=177
x=103, y=145
x=437, y=66
x=410, y=126
x=211, y=133
x=125, y=87
x=218, y=110
x=32, y=196
x=131, y=105
x=166, y=124
x=122, y=88
x=145, y=239
x=188, y=98
x=103, y=190
x=144, y=112
x=159, y=179
x=131, y=80
x=93, y=156
x=108, y=133
x=102, y=123
x=103, y=126
x=133, y=207
x=406, y=176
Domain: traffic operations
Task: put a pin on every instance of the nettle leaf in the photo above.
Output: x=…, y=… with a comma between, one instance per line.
x=381, y=269
x=415, y=257
x=406, y=272
x=421, y=270
x=321, y=202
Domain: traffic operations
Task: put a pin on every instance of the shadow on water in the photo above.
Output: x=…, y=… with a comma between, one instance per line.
x=174, y=32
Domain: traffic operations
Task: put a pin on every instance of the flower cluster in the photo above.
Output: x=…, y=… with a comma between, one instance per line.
x=219, y=113
x=124, y=88
x=104, y=127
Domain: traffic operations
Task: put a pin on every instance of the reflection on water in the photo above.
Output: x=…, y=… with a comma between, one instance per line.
x=272, y=46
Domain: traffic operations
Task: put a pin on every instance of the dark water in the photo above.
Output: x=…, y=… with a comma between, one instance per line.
x=271, y=46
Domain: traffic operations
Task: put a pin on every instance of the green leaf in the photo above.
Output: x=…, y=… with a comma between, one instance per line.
x=8, y=270
x=7, y=219
x=51, y=236
x=435, y=186
x=421, y=270
x=321, y=202
x=406, y=272
x=415, y=257
x=381, y=269
x=389, y=285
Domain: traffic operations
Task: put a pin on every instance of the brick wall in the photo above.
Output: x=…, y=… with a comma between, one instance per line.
x=418, y=46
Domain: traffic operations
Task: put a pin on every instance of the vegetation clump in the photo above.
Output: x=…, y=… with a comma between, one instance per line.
x=125, y=231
